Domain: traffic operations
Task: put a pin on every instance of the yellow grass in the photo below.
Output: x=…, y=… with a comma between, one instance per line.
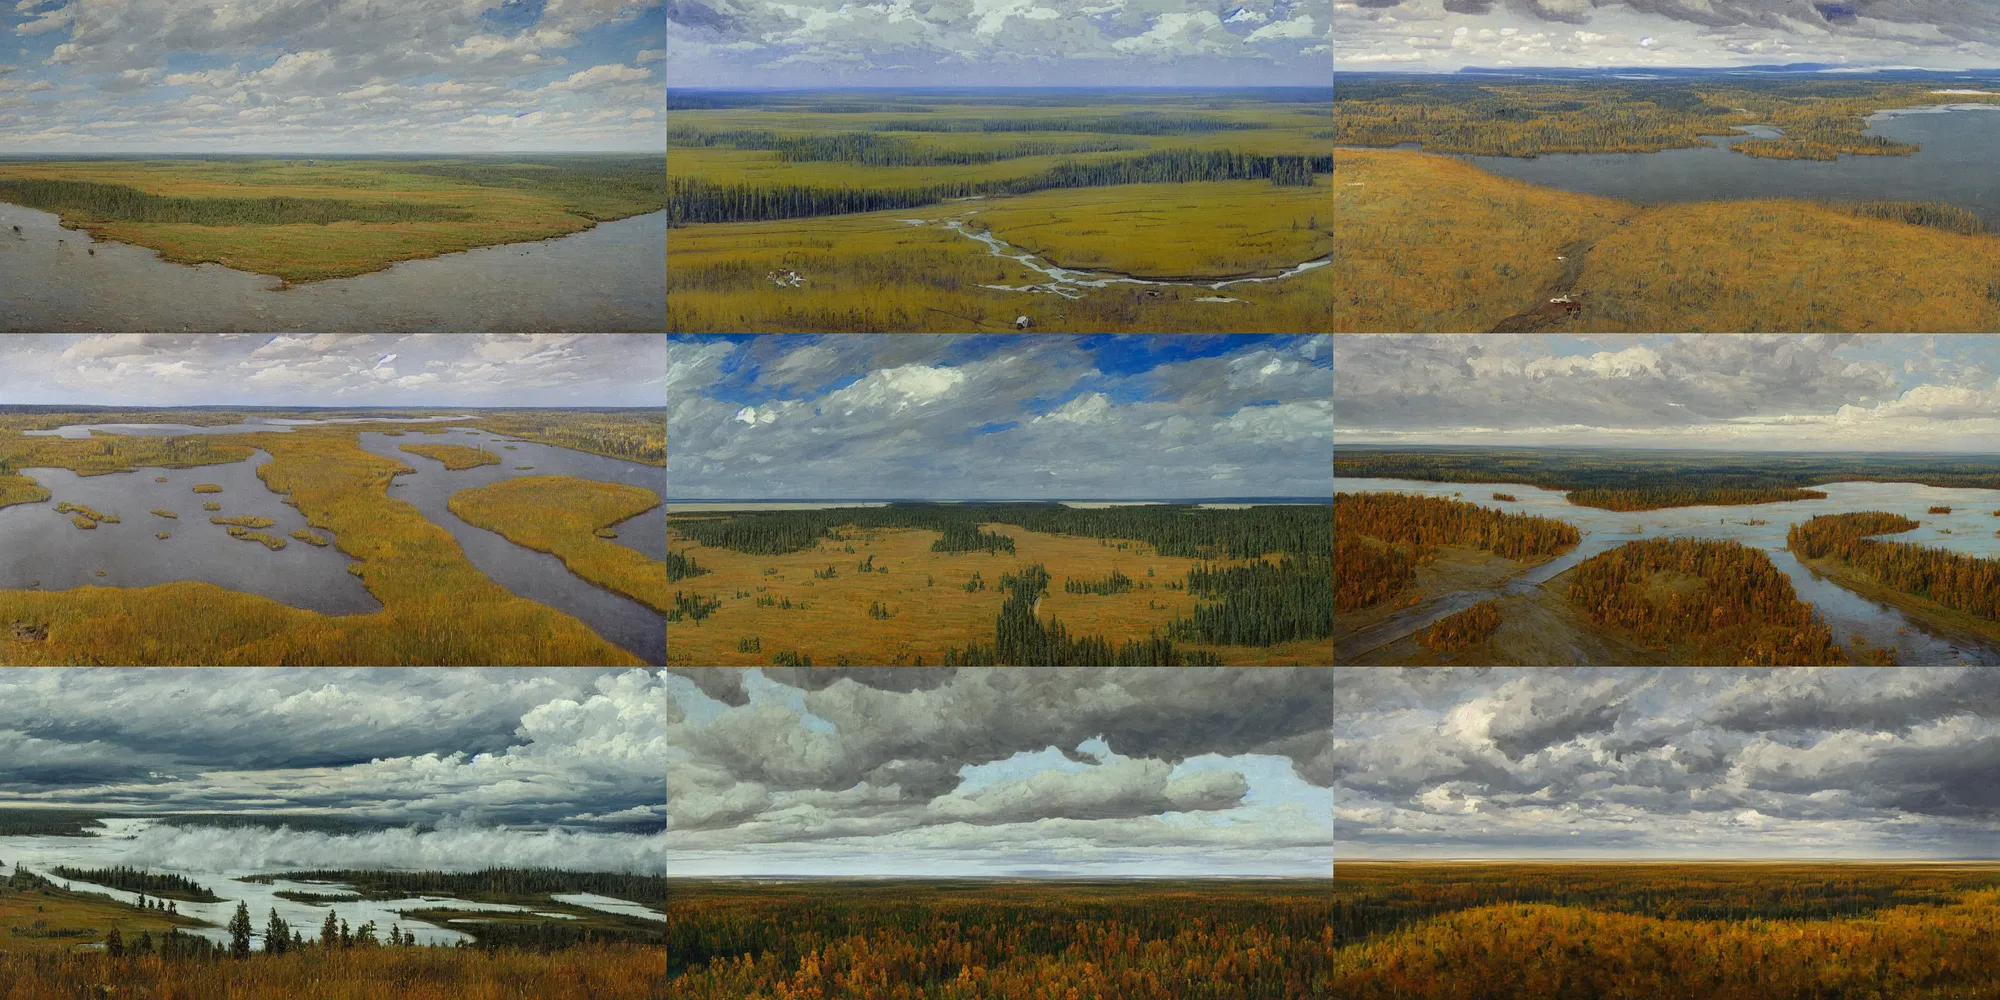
x=311, y=537
x=562, y=515
x=20, y=489
x=163, y=534
x=59, y=909
x=244, y=521
x=81, y=521
x=454, y=456
x=930, y=619
x=208, y=488
x=1431, y=243
x=166, y=513
x=211, y=505
x=1146, y=230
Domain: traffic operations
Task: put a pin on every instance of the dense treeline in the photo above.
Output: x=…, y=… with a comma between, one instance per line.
x=49, y=823
x=878, y=150
x=962, y=536
x=1661, y=497
x=692, y=199
x=543, y=936
x=1020, y=639
x=97, y=202
x=596, y=187
x=1433, y=521
x=141, y=881
x=1556, y=469
x=1116, y=583
x=1148, y=940
x=694, y=607
x=491, y=884
x=1260, y=604
x=1964, y=583
x=1463, y=630
x=680, y=567
x=1134, y=123
x=1721, y=600
x=1366, y=575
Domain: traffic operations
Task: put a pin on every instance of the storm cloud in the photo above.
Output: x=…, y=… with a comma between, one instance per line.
x=1680, y=762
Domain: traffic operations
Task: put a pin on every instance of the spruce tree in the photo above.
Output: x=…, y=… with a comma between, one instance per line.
x=239, y=932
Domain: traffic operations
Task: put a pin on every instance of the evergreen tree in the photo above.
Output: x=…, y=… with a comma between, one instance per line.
x=239, y=932
x=114, y=944
x=277, y=934
x=329, y=932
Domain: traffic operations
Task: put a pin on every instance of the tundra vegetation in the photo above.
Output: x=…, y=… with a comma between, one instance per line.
x=437, y=608
x=1153, y=940
x=794, y=211
x=1524, y=931
x=565, y=516
x=338, y=217
x=454, y=456
x=1229, y=586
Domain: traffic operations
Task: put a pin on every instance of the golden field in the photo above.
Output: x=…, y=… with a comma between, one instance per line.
x=930, y=610
x=454, y=456
x=561, y=515
x=1429, y=243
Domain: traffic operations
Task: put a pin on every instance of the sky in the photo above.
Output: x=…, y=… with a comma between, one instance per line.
x=999, y=771
x=300, y=76
x=334, y=369
x=462, y=768
x=1683, y=763
x=808, y=43
x=1446, y=35
x=1739, y=392
x=998, y=417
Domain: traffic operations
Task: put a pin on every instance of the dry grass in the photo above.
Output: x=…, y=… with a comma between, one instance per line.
x=563, y=516
x=930, y=619
x=588, y=973
x=311, y=537
x=20, y=489
x=244, y=521
x=272, y=542
x=1430, y=243
x=208, y=487
x=454, y=456
x=166, y=513
x=211, y=505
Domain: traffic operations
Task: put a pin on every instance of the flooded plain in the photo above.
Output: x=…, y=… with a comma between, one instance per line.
x=41, y=549
x=606, y=279
x=1971, y=529
x=1961, y=142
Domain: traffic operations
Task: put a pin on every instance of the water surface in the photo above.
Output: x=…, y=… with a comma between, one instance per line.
x=1971, y=524
x=1961, y=144
x=610, y=278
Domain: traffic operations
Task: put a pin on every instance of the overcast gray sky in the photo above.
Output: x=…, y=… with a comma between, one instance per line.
x=1893, y=762
x=500, y=767
x=1445, y=35
x=978, y=417
x=1812, y=392
x=334, y=369
x=331, y=75
x=1020, y=43
x=999, y=771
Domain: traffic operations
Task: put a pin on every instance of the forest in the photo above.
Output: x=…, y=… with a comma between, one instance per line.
x=680, y=566
x=964, y=536
x=1750, y=931
x=1661, y=497
x=492, y=884
x=881, y=151
x=1021, y=639
x=97, y=202
x=140, y=881
x=1963, y=583
x=1412, y=528
x=1260, y=604
x=1464, y=630
x=1723, y=601
x=1575, y=469
x=1154, y=939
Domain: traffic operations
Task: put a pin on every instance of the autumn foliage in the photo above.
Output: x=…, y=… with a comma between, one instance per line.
x=1722, y=600
x=1007, y=941
x=1965, y=583
x=1462, y=630
x=583, y=973
x=1661, y=497
x=1412, y=527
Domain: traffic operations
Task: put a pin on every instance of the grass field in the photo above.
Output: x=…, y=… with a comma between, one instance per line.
x=336, y=218
x=454, y=456
x=562, y=515
x=438, y=609
x=930, y=612
x=1430, y=243
x=867, y=269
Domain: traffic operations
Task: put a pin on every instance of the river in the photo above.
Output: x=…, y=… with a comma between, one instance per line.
x=608, y=279
x=1971, y=525
x=1961, y=143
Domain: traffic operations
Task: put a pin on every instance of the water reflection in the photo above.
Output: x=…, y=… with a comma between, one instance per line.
x=1970, y=529
x=610, y=278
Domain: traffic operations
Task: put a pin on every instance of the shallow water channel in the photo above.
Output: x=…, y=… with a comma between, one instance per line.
x=39, y=854
x=1961, y=143
x=1069, y=283
x=610, y=278
x=1971, y=524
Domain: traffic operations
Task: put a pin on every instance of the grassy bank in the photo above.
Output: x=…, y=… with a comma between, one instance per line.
x=562, y=515
x=454, y=456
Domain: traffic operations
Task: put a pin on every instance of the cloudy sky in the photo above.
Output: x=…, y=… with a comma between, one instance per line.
x=1445, y=35
x=461, y=767
x=1667, y=763
x=999, y=771
x=334, y=369
x=977, y=417
x=1895, y=392
x=805, y=43
x=331, y=75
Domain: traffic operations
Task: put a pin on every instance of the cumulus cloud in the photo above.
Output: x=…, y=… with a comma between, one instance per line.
x=831, y=417
x=1693, y=762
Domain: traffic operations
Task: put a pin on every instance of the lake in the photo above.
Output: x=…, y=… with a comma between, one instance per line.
x=114, y=846
x=610, y=278
x=1961, y=144
x=41, y=547
x=1971, y=523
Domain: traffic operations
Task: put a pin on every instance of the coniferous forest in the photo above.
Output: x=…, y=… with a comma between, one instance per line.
x=1261, y=604
x=1411, y=528
x=1722, y=601
x=1662, y=497
x=1463, y=630
x=1964, y=583
x=1021, y=639
x=681, y=566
